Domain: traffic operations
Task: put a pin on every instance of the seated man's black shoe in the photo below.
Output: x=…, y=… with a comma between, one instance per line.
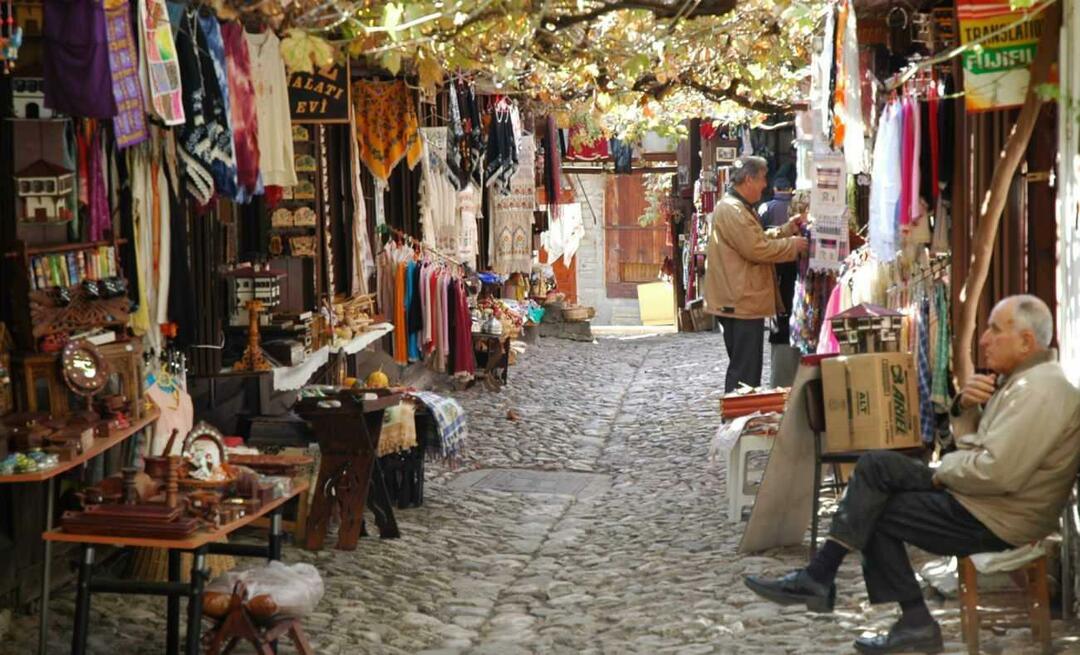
x=795, y=588
x=904, y=639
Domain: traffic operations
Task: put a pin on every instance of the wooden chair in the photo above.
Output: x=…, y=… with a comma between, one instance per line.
x=815, y=418
x=1030, y=607
x=238, y=625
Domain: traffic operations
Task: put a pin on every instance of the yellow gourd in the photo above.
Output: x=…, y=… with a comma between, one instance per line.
x=377, y=380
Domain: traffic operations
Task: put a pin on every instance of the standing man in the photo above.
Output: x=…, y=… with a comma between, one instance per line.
x=740, y=280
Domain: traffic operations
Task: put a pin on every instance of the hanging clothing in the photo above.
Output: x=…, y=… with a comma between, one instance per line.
x=363, y=262
x=848, y=127
x=552, y=165
x=75, y=57
x=502, y=151
x=129, y=124
x=274, y=122
x=91, y=143
x=159, y=67
x=438, y=196
x=216, y=80
x=510, y=239
x=386, y=126
x=243, y=112
x=927, y=419
x=886, y=187
x=468, y=243
x=622, y=152
x=564, y=235
x=202, y=141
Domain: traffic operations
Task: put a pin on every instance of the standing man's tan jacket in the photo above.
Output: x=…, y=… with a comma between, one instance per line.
x=740, y=280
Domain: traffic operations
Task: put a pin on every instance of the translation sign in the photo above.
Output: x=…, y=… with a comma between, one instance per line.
x=996, y=70
x=320, y=97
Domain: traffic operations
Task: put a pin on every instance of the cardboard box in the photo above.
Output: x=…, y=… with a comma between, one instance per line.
x=871, y=401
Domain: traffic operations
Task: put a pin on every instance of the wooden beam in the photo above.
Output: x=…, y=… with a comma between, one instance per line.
x=997, y=195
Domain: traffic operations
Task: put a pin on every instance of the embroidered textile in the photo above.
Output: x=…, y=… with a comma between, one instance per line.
x=502, y=151
x=450, y=422
x=398, y=429
x=161, y=68
x=512, y=217
x=129, y=124
x=386, y=126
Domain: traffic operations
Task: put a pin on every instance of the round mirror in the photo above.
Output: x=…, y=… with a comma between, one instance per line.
x=84, y=369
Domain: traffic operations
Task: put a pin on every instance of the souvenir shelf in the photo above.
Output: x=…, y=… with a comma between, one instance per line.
x=68, y=287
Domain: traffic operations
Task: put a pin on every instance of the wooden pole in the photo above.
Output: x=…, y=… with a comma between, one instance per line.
x=997, y=195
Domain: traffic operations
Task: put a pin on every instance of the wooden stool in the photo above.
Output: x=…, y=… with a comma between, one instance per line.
x=238, y=625
x=1034, y=606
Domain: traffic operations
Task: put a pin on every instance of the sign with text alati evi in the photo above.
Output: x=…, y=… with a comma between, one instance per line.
x=321, y=96
x=996, y=70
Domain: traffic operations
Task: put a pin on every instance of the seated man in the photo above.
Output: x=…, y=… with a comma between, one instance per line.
x=1019, y=448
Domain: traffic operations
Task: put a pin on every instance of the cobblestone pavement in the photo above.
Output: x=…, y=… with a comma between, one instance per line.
x=647, y=566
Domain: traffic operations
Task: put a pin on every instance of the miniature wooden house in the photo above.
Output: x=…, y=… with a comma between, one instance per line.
x=44, y=190
x=868, y=329
x=253, y=284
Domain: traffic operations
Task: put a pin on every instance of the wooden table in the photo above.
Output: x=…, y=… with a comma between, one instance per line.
x=199, y=543
x=115, y=438
x=348, y=437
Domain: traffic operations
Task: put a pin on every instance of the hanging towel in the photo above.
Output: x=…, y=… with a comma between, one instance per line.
x=450, y=423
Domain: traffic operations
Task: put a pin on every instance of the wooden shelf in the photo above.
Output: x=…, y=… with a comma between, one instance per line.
x=66, y=247
x=100, y=446
x=197, y=539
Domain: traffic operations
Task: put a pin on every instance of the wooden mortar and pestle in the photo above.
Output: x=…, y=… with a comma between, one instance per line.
x=157, y=467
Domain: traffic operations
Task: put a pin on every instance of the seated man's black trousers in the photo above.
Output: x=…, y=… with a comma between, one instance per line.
x=890, y=500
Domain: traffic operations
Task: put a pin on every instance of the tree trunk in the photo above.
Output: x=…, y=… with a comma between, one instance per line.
x=992, y=207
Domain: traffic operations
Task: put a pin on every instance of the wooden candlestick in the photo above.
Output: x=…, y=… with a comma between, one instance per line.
x=172, y=484
x=131, y=492
x=253, y=359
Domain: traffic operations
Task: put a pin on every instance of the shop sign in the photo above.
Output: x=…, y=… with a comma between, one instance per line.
x=321, y=96
x=996, y=70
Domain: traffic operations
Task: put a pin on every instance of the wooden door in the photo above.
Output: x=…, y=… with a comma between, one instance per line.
x=633, y=254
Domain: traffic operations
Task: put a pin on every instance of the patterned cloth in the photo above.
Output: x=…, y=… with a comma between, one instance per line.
x=449, y=421
x=129, y=124
x=926, y=408
x=162, y=70
x=217, y=86
x=939, y=392
x=398, y=429
x=386, y=126
x=244, y=118
x=512, y=216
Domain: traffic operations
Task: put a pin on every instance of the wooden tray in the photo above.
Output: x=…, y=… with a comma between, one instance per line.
x=148, y=511
x=133, y=525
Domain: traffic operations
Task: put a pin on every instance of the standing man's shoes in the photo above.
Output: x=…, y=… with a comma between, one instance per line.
x=904, y=639
x=793, y=589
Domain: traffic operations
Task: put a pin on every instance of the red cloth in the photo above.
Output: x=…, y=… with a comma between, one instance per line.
x=594, y=151
x=934, y=145
x=245, y=124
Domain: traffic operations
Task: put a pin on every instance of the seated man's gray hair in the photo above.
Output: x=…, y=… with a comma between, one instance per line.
x=1031, y=313
x=745, y=168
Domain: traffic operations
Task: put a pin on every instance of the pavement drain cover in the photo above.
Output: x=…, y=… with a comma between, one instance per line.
x=524, y=481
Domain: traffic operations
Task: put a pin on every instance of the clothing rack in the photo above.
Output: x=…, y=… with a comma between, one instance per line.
x=447, y=259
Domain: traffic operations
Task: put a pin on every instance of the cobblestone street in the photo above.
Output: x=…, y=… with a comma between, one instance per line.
x=643, y=560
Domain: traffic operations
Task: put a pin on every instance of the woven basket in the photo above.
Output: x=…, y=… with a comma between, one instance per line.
x=575, y=314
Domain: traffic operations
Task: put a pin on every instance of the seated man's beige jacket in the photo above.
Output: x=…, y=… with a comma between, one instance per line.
x=1018, y=457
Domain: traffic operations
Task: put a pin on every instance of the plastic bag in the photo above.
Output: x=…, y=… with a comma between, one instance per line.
x=296, y=589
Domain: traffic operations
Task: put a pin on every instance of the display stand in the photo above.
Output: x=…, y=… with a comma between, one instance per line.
x=49, y=476
x=199, y=544
x=349, y=468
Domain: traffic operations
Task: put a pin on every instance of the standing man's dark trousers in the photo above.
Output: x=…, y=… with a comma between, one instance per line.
x=744, y=340
x=890, y=501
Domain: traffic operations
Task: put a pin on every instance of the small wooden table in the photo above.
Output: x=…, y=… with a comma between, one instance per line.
x=115, y=438
x=199, y=543
x=348, y=436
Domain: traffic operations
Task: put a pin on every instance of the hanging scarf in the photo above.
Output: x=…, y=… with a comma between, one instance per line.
x=512, y=217
x=386, y=126
x=160, y=67
x=195, y=144
x=244, y=118
x=216, y=82
x=97, y=192
x=363, y=263
x=129, y=124
x=552, y=165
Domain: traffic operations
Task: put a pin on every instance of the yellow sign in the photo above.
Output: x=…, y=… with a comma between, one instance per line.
x=996, y=70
